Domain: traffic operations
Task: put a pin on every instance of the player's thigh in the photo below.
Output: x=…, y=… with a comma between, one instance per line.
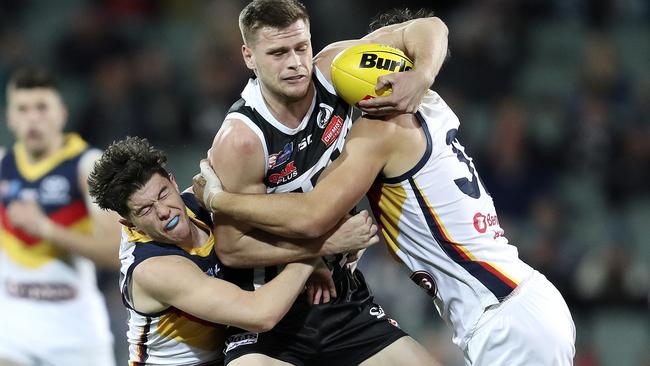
x=404, y=351
x=257, y=359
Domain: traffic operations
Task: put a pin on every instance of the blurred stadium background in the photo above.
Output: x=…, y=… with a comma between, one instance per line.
x=553, y=96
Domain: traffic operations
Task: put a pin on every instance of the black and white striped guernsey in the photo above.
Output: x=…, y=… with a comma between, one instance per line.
x=296, y=157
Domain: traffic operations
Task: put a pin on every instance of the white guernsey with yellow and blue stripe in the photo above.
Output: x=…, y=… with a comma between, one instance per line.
x=171, y=336
x=439, y=220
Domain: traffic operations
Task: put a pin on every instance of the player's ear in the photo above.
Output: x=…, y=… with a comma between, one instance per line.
x=173, y=180
x=249, y=58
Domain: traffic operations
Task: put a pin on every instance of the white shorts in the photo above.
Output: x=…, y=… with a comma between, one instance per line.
x=39, y=356
x=533, y=327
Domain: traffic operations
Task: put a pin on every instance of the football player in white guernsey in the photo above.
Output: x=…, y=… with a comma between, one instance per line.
x=51, y=235
x=170, y=273
x=437, y=219
x=287, y=106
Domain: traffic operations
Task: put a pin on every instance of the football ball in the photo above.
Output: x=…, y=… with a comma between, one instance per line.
x=355, y=70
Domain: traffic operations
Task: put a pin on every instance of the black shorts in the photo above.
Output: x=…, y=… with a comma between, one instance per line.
x=346, y=331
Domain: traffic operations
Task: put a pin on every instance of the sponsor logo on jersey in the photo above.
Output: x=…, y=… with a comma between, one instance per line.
x=288, y=173
x=483, y=222
x=425, y=280
x=55, y=190
x=10, y=188
x=240, y=339
x=41, y=291
x=377, y=312
x=306, y=141
x=371, y=60
x=393, y=322
x=281, y=157
x=324, y=114
x=333, y=130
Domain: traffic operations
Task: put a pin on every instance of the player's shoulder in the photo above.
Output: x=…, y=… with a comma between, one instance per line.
x=381, y=130
x=236, y=137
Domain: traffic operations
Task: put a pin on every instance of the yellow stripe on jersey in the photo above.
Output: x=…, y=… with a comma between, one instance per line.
x=209, y=244
x=192, y=331
x=41, y=253
x=73, y=146
x=136, y=236
x=447, y=237
x=388, y=203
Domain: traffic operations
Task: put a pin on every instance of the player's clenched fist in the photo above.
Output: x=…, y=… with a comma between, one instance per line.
x=206, y=185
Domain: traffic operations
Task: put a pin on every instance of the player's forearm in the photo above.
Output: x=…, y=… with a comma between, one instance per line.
x=259, y=249
x=425, y=40
x=101, y=249
x=289, y=214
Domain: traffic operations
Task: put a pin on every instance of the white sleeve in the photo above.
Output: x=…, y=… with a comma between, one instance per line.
x=86, y=164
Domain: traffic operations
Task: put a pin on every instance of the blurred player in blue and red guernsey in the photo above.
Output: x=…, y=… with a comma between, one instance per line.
x=52, y=235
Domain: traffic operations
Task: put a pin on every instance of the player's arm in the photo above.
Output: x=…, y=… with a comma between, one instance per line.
x=424, y=40
x=160, y=282
x=101, y=246
x=238, y=156
x=344, y=183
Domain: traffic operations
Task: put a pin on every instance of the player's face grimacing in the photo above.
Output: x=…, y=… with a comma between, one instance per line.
x=158, y=211
x=35, y=115
x=282, y=60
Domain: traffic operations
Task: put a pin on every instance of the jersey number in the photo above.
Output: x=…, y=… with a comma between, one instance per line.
x=469, y=187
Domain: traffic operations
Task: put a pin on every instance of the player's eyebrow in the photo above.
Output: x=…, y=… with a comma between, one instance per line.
x=286, y=48
x=276, y=49
x=137, y=209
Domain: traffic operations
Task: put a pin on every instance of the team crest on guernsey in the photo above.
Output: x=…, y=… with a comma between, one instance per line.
x=324, y=114
x=55, y=190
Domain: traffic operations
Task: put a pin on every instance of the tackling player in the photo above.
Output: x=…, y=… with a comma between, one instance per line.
x=173, y=285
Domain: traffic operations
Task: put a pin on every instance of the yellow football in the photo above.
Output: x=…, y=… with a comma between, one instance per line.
x=355, y=70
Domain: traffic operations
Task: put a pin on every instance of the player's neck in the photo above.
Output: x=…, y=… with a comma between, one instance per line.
x=198, y=237
x=56, y=143
x=289, y=112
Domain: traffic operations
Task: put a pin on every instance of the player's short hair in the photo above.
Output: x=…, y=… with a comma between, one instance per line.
x=31, y=77
x=269, y=13
x=126, y=166
x=396, y=16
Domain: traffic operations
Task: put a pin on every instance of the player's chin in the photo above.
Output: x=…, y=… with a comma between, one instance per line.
x=296, y=92
x=35, y=146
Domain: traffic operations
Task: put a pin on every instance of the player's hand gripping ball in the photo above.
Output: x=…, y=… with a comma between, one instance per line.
x=355, y=70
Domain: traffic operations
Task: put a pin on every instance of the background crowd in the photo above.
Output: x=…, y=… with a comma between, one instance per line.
x=553, y=98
